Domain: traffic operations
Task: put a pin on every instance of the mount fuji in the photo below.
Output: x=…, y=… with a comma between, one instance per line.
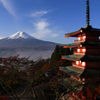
x=22, y=39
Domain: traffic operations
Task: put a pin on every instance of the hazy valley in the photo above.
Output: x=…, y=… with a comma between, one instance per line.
x=26, y=52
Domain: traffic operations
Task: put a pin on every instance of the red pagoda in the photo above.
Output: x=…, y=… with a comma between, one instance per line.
x=85, y=57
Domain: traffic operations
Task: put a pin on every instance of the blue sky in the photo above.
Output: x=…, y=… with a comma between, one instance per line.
x=47, y=20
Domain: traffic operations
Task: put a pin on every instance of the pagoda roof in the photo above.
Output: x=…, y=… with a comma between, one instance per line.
x=90, y=29
x=72, y=45
x=72, y=57
x=72, y=70
x=89, y=43
x=82, y=57
x=81, y=72
x=82, y=30
x=71, y=84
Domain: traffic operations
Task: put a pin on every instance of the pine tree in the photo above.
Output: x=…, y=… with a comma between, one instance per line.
x=59, y=51
x=55, y=55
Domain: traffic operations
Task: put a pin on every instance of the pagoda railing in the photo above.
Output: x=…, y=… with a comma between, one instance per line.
x=88, y=39
x=78, y=41
x=79, y=66
x=75, y=52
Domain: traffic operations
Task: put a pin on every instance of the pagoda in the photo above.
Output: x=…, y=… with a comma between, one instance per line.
x=85, y=58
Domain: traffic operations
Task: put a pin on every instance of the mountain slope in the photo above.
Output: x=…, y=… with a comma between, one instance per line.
x=22, y=39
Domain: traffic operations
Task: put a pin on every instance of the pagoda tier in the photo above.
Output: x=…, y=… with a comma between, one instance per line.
x=82, y=57
x=88, y=31
x=79, y=44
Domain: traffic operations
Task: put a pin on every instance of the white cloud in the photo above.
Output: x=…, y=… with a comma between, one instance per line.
x=42, y=27
x=39, y=13
x=43, y=30
x=7, y=4
x=54, y=35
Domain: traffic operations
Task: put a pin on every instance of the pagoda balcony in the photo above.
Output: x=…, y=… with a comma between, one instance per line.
x=81, y=53
x=72, y=45
x=78, y=66
x=76, y=41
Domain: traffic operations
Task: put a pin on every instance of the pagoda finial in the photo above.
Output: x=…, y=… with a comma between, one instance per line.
x=87, y=13
x=87, y=16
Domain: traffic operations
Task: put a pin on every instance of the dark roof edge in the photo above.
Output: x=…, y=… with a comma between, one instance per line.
x=73, y=32
x=86, y=28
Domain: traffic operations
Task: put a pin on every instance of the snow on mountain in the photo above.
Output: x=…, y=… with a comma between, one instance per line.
x=20, y=34
x=1, y=38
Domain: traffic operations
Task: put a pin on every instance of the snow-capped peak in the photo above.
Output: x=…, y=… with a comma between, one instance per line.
x=20, y=34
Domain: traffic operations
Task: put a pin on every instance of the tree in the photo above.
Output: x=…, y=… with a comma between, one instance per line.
x=12, y=72
x=58, y=52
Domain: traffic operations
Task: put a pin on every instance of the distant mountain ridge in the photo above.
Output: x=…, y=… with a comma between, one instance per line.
x=22, y=39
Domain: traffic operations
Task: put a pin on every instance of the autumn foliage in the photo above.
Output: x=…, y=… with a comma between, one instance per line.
x=15, y=72
x=4, y=97
x=86, y=94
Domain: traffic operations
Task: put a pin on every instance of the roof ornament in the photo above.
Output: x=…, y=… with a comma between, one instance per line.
x=87, y=15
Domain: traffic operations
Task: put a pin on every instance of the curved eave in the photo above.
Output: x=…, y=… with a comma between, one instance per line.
x=72, y=70
x=90, y=43
x=87, y=57
x=71, y=45
x=72, y=57
x=73, y=34
x=83, y=30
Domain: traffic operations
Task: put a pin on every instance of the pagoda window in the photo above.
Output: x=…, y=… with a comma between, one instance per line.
x=84, y=50
x=79, y=38
x=83, y=64
x=78, y=50
x=84, y=37
x=80, y=45
x=77, y=62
